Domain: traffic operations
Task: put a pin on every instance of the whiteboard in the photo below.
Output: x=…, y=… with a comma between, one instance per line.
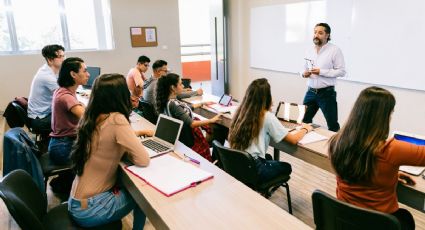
x=382, y=40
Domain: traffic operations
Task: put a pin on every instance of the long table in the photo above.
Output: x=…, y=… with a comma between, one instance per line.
x=316, y=154
x=222, y=202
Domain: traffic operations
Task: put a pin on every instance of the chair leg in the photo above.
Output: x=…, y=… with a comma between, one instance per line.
x=288, y=195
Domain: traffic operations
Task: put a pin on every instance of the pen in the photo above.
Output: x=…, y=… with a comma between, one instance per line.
x=192, y=159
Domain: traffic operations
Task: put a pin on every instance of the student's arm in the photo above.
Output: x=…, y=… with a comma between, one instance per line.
x=78, y=110
x=206, y=122
x=144, y=132
x=295, y=136
x=403, y=153
x=126, y=137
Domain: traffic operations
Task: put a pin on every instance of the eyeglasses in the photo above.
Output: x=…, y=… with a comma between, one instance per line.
x=60, y=56
x=146, y=64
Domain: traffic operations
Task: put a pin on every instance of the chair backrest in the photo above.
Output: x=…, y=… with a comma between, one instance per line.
x=332, y=214
x=186, y=82
x=16, y=115
x=20, y=152
x=239, y=164
x=148, y=111
x=23, y=199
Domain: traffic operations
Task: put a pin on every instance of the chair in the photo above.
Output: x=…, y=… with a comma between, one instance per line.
x=241, y=165
x=148, y=111
x=186, y=82
x=332, y=214
x=28, y=206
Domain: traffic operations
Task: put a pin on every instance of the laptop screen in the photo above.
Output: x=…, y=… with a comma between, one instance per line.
x=168, y=129
x=291, y=112
x=94, y=73
x=225, y=100
x=410, y=139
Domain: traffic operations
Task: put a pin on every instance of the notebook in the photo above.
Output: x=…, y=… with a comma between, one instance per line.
x=170, y=175
x=223, y=105
x=291, y=113
x=414, y=139
x=167, y=133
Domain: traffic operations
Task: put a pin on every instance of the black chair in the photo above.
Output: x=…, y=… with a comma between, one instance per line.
x=148, y=111
x=241, y=165
x=332, y=214
x=28, y=206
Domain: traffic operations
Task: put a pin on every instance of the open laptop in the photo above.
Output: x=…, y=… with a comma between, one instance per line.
x=223, y=105
x=414, y=139
x=291, y=113
x=164, y=140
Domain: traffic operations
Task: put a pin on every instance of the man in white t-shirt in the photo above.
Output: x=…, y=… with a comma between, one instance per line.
x=42, y=87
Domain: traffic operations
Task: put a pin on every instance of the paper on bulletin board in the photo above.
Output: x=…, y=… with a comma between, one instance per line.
x=150, y=35
x=136, y=31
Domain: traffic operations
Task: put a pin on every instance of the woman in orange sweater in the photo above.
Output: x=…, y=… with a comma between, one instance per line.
x=366, y=162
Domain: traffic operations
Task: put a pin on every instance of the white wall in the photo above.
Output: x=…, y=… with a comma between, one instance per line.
x=409, y=111
x=17, y=71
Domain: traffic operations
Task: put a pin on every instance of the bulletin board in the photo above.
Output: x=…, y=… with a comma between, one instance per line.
x=143, y=36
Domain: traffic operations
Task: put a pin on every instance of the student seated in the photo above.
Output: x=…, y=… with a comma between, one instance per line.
x=42, y=87
x=66, y=109
x=104, y=136
x=253, y=125
x=366, y=162
x=135, y=78
x=168, y=87
x=160, y=69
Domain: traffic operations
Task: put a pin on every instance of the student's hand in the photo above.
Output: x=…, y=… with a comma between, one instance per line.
x=216, y=118
x=307, y=126
x=405, y=178
x=306, y=74
x=315, y=71
x=145, y=132
x=199, y=92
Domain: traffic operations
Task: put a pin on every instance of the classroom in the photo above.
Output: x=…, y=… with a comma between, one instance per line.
x=250, y=29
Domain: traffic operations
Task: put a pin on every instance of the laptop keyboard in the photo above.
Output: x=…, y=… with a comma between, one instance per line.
x=155, y=146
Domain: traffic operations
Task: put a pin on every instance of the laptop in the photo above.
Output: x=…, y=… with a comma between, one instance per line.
x=291, y=113
x=166, y=134
x=223, y=105
x=414, y=139
x=94, y=73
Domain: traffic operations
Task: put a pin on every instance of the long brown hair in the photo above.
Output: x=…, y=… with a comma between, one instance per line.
x=249, y=117
x=352, y=150
x=109, y=94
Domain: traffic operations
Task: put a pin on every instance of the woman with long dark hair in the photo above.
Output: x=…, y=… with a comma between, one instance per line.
x=253, y=125
x=366, y=162
x=168, y=87
x=104, y=136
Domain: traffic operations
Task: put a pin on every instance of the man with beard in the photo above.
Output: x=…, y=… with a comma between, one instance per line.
x=324, y=63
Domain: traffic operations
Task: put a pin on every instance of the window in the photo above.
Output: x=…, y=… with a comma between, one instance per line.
x=27, y=26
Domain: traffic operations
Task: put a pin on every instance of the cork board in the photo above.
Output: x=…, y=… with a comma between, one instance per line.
x=143, y=36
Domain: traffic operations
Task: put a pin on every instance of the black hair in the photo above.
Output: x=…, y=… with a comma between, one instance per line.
x=70, y=64
x=327, y=28
x=110, y=94
x=158, y=64
x=49, y=51
x=163, y=90
x=143, y=59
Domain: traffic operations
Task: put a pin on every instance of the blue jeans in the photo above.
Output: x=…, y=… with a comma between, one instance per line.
x=325, y=99
x=60, y=149
x=106, y=207
x=270, y=169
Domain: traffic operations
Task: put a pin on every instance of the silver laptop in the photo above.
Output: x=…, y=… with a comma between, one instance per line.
x=164, y=140
x=292, y=114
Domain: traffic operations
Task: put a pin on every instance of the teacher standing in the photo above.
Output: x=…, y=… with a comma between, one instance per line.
x=324, y=63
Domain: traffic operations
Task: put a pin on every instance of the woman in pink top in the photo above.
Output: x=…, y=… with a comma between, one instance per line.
x=367, y=163
x=104, y=137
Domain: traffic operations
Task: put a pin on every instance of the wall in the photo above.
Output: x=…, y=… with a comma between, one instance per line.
x=409, y=111
x=17, y=71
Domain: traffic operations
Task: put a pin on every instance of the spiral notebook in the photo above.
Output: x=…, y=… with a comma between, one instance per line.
x=170, y=175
